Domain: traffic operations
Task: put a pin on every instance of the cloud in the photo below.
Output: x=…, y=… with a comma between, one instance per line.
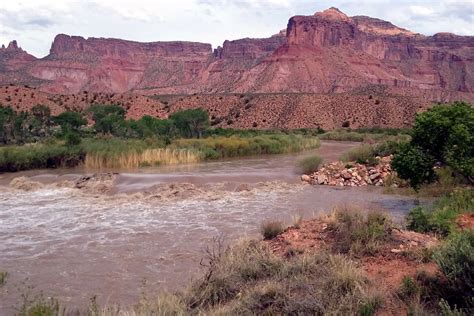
x=35, y=23
x=421, y=10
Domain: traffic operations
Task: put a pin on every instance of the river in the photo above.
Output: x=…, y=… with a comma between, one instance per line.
x=150, y=230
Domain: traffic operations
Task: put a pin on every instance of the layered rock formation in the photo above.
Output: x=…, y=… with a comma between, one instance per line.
x=328, y=52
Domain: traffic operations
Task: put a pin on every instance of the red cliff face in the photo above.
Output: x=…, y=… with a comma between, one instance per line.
x=328, y=52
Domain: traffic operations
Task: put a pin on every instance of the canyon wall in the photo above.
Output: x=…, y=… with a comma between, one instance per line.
x=325, y=53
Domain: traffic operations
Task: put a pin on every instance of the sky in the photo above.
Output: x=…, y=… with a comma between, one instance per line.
x=34, y=23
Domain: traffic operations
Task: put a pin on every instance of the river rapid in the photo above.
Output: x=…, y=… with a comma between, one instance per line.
x=146, y=230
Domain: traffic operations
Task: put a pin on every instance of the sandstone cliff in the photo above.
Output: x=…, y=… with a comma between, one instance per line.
x=328, y=52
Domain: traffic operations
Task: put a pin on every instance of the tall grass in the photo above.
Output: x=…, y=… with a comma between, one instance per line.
x=101, y=153
x=310, y=164
x=233, y=146
x=359, y=154
x=37, y=156
x=134, y=159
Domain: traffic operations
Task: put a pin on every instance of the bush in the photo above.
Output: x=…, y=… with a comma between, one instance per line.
x=310, y=164
x=412, y=164
x=271, y=229
x=444, y=134
x=72, y=139
x=441, y=219
x=361, y=234
x=456, y=261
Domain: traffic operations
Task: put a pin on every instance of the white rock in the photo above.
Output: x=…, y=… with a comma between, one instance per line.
x=305, y=178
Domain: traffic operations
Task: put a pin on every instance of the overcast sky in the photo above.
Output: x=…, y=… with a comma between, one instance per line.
x=34, y=23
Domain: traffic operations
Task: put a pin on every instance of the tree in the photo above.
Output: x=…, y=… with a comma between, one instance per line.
x=109, y=119
x=39, y=121
x=6, y=124
x=70, y=121
x=412, y=164
x=191, y=123
x=445, y=135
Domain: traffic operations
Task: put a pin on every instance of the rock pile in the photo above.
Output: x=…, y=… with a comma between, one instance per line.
x=352, y=174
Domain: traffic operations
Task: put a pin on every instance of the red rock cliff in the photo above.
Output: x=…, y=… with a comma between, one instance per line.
x=328, y=52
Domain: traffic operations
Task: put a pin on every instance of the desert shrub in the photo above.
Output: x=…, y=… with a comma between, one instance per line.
x=360, y=154
x=361, y=234
x=271, y=229
x=310, y=164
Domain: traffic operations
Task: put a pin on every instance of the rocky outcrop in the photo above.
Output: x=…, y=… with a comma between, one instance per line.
x=328, y=52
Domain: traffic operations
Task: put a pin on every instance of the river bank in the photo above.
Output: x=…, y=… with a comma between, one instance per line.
x=154, y=223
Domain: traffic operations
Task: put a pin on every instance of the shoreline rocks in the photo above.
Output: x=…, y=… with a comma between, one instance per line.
x=352, y=174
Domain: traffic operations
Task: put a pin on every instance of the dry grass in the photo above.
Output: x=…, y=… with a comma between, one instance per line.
x=358, y=233
x=134, y=159
x=271, y=229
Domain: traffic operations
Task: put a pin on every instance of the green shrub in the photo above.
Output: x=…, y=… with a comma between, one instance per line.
x=72, y=138
x=271, y=229
x=310, y=164
x=456, y=261
x=412, y=164
x=441, y=218
x=419, y=220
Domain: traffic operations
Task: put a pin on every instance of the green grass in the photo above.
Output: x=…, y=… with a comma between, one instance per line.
x=310, y=164
x=110, y=152
x=234, y=146
x=441, y=217
x=37, y=156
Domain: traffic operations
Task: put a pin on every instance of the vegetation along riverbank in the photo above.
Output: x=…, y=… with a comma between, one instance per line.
x=103, y=138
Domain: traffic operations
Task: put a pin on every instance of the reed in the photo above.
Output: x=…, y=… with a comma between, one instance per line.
x=135, y=159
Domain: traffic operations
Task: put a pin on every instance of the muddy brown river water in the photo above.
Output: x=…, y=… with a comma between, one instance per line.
x=154, y=224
